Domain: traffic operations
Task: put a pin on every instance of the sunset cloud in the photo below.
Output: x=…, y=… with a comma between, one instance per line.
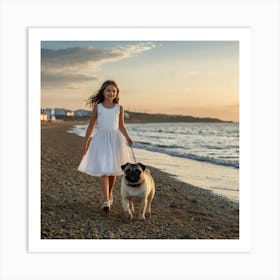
x=67, y=80
x=63, y=67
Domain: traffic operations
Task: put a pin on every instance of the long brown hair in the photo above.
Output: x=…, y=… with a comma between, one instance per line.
x=99, y=97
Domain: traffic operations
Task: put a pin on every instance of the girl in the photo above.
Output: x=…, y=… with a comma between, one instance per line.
x=108, y=150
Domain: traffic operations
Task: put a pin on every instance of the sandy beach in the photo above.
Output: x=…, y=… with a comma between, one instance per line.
x=71, y=201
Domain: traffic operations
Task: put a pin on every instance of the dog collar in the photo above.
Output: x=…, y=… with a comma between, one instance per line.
x=135, y=185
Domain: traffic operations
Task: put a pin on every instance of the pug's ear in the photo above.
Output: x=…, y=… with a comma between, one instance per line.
x=142, y=166
x=124, y=166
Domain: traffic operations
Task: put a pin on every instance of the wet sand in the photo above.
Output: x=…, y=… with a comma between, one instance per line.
x=71, y=201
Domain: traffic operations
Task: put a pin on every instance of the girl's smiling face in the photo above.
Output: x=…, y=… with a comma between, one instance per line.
x=110, y=93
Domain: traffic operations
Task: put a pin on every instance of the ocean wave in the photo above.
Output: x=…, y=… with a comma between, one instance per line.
x=169, y=150
x=161, y=145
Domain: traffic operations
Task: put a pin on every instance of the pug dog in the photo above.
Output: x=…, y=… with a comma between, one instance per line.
x=137, y=185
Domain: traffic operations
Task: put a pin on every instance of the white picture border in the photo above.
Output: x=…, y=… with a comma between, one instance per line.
x=242, y=35
x=262, y=262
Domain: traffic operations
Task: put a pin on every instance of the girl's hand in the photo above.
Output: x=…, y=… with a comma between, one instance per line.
x=85, y=148
x=129, y=141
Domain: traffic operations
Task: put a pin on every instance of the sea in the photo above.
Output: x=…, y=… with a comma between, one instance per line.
x=205, y=155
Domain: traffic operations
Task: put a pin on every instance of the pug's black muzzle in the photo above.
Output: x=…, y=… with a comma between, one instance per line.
x=133, y=178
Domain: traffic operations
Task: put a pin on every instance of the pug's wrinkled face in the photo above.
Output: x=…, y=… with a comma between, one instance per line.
x=133, y=172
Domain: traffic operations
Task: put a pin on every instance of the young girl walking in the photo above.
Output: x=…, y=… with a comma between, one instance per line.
x=107, y=150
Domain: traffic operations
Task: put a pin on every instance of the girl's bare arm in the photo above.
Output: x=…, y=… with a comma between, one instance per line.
x=122, y=127
x=90, y=129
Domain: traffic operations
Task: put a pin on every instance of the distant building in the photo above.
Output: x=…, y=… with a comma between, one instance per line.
x=60, y=112
x=70, y=114
x=53, y=118
x=82, y=113
x=44, y=117
x=48, y=111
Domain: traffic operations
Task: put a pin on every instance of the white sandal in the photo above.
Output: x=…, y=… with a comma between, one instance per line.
x=111, y=202
x=106, y=206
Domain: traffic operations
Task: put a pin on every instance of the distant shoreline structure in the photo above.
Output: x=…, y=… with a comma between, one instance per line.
x=135, y=117
x=130, y=117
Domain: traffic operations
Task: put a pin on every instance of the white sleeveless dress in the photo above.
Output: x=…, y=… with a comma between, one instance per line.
x=108, y=149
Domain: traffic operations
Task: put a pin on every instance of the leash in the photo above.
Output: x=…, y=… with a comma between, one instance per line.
x=132, y=151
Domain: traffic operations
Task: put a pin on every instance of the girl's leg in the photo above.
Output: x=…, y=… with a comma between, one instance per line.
x=105, y=187
x=112, y=181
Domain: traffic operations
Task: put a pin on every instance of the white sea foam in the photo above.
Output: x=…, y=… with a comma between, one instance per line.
x=222, y=180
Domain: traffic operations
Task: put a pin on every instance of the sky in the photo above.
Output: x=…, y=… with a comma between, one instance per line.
x=197, y=78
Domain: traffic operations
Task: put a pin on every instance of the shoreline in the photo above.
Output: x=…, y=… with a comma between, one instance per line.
x=71, y=201
x=199, y=174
